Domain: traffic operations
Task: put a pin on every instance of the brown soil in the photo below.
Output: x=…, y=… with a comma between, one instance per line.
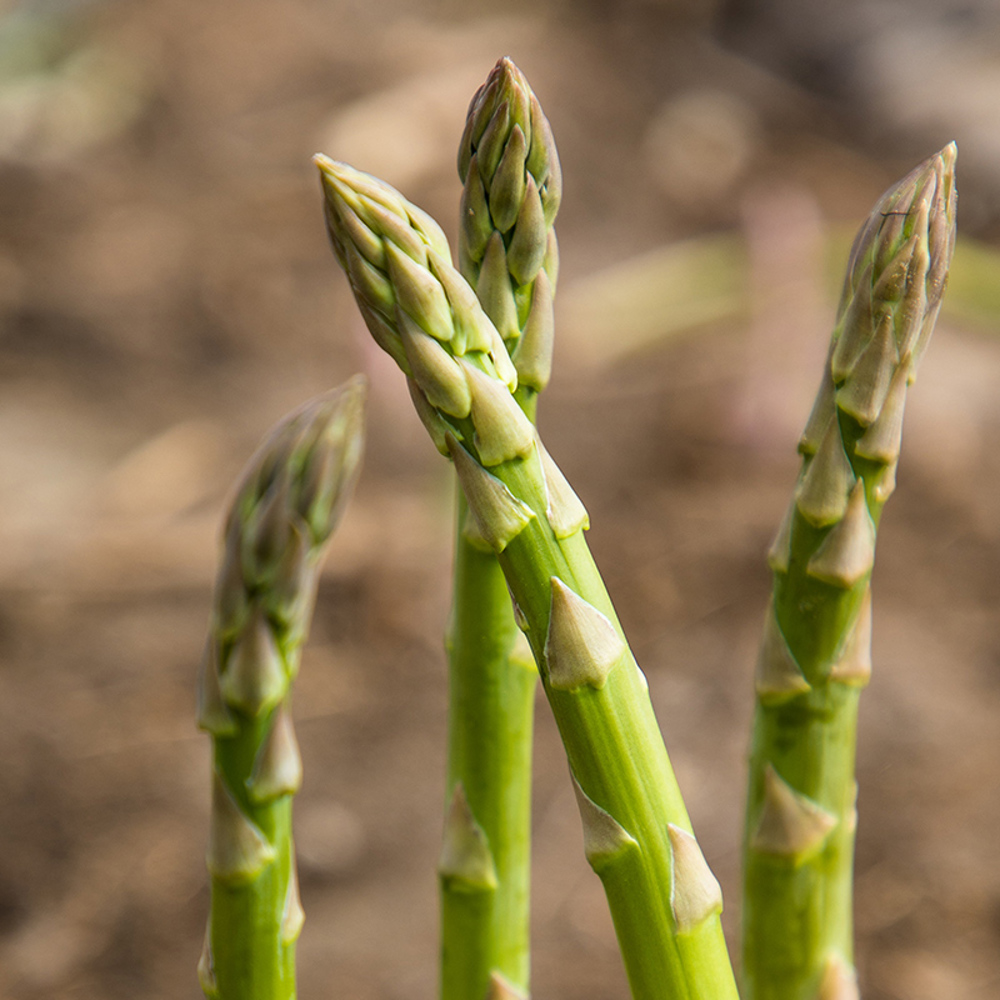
x=166, y=294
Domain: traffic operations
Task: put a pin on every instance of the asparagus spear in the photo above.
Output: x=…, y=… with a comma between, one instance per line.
x=815, y=656
x=637, y=835
x=287, y=504
x=510, y=172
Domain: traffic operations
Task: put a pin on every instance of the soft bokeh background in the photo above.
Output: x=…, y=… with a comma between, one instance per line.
x=166, y=293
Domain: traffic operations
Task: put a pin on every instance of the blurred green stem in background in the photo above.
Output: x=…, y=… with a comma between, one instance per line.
x=287, y=504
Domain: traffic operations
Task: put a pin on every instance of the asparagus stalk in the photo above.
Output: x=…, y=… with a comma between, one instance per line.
x=637, y=834
x=287, y=504
x=511, y=180
x=815, y=656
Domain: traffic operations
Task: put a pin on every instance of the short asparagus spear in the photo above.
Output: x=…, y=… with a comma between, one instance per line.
x=815, y=656
x=287, y=505
x=637, y=835
x=510, y=172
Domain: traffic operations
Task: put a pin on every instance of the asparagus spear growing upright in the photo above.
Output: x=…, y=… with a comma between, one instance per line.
x=815, y=656
x=510, y=171
x=637, y=835
x=287, y=505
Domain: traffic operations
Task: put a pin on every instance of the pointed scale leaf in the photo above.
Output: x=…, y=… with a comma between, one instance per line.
x=604, y=838
x=502, y=989
x=847, y=554
x=695, y=894
x=840, y=981
x=778, y=676
x=881, y=441
x=866, y=388
x=254, y=677
x=277, y=769
x=495, y=291
x=856, y=328
x=420, y=295
x=466, y=863
x=237, y=850
x=475, y=223
x=293, y=916
x=820, y=415
x=437, y=373
x=563, y=508
x=472, y=532
x=473, y=328
x=500, y=516
x=533, y=355
x=582, y=647
x=507, y=189
x=429, y=417
x=780, y=553
x=529, y=244
x=854, y=665
x=503, y=432
x=213, y=716
x=206, y=967
x=790, y=825
x=822, y=492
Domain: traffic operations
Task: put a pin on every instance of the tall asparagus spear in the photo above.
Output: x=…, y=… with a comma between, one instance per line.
x=287, y=505
x=637, y=836
x=510, y=172
x=815, y=656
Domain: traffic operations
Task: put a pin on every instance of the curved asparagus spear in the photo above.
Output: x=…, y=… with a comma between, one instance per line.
x=510, y=172
x=815, y=656
x=287, y=504
x=637, y=835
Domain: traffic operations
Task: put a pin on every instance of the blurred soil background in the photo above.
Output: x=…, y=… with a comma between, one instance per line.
x=167, y=293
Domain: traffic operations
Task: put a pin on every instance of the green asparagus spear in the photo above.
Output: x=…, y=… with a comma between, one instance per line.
x=815, y=656
x=510, y=171
x=287, y=505
x=637, y=836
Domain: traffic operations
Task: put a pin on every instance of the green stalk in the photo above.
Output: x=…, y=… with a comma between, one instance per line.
x=816, y=652
x=287, y=505
x=511, y=177
x=637, y=836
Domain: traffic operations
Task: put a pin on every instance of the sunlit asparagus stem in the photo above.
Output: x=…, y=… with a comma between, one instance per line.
x=510, y=172
x=287, y=504
x=637, y=835
x=815, y=656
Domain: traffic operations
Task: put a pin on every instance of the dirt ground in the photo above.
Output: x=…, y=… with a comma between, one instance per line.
x=166, y=294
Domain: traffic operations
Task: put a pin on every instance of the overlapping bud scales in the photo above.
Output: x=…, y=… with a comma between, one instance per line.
x=287, y=505
x=417, y=306
x=512, y=185
x=896, y=277
x=428, y=318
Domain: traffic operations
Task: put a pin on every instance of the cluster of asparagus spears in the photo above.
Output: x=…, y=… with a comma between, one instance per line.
x=475, y=343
